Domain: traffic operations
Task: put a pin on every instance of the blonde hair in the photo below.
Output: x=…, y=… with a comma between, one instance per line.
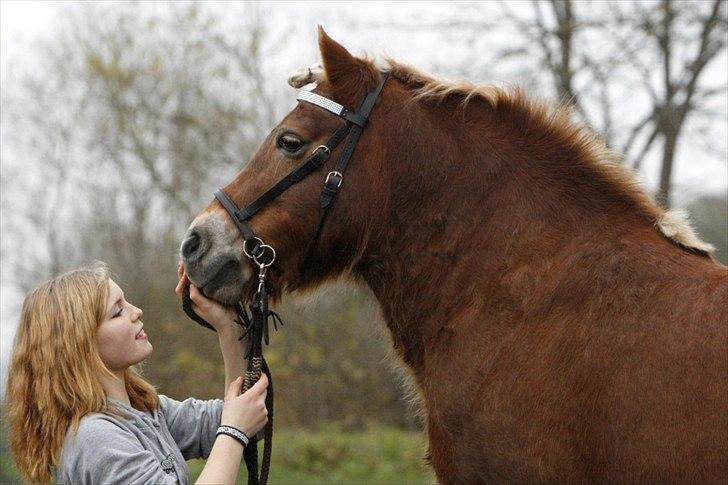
x=54, y=376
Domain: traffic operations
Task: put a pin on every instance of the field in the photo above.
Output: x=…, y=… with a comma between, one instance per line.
x=327, y=455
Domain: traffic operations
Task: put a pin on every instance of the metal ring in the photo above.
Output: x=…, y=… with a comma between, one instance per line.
x=245, y=246
x=341, y=178
x=328, y=152
x=273, y=258
x=262, y=246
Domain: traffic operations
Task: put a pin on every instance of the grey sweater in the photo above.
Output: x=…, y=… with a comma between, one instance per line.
x=145, y=448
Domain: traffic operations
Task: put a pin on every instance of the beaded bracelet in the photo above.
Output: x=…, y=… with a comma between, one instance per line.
x=234, y=433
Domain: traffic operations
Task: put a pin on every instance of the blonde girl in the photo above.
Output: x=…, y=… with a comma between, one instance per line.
x=79, y=412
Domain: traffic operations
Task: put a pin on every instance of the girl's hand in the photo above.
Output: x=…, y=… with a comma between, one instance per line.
x=220, y=317
x=246, y=412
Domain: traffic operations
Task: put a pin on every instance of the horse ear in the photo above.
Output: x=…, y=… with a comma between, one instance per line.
x=347, y=75
x=338, y=63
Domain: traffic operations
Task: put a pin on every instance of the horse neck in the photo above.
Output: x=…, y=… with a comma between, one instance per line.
x=457, y=226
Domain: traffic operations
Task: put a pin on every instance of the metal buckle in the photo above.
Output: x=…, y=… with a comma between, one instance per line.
x=336, y=174
x=328, y=152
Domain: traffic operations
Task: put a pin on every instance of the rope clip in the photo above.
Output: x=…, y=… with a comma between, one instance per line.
x=261, y=278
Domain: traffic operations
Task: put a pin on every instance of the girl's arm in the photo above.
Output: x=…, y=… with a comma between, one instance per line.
x=233, y=349
x=245, y=412
x=224, y=461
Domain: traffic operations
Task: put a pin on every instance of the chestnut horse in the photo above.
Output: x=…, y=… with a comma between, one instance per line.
x=559, y=325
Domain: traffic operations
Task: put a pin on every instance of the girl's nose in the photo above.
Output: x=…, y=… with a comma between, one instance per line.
x=137, y=313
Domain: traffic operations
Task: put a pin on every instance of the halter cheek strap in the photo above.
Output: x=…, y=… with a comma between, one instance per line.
x=335, y=178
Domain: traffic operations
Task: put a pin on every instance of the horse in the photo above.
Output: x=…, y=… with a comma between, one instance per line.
x=557, y=324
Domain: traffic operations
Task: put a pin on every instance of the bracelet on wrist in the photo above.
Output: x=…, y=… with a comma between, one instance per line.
x=239, y=436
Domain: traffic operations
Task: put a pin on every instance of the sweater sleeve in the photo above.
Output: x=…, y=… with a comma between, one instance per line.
x=102, y=452
x=192, y=424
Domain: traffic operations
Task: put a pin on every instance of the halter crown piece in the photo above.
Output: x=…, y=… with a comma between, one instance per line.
x=263, y=255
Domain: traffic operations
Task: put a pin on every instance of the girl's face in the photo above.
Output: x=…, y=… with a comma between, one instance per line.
x=121, y=339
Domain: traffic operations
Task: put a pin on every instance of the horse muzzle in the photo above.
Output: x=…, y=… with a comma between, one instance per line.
x=212, y=260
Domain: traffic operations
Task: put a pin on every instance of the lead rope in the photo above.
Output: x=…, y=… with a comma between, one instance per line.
x=255, y=327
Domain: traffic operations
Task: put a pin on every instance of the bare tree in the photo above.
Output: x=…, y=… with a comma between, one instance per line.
x=38, y=127
x=139, y=112
x=117, y=135
x=634, y=71
x=678, y=40
x=118, y=138
x=682, y=91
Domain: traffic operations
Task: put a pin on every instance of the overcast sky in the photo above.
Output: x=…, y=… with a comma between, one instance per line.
x=22, y=21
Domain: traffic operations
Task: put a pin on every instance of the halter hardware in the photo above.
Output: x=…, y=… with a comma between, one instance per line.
x=258, y=251
x=324, y=148
x=334, y=174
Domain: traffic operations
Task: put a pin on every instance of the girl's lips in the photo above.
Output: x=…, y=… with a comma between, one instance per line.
x=141, y=335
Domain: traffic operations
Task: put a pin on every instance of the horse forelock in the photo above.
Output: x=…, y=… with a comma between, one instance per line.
x=307, y=75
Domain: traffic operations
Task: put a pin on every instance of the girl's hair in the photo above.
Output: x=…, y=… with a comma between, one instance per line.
x=54, y=376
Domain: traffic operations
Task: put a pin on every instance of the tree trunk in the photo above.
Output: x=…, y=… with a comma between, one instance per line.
x=668, y=155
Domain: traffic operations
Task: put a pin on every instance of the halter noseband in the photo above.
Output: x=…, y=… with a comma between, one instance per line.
x=263, y=254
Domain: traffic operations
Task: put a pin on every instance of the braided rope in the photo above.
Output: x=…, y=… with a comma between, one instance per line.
x=268, y=445
x=255, y=368
x=252, y=375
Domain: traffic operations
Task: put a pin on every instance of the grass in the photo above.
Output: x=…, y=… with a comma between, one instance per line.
x=9, y=474
x=329, y=455
x=326, y=455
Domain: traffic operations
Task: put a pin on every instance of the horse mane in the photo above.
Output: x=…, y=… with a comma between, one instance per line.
x=673, y=224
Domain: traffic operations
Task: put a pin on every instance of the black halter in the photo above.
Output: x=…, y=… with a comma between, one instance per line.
x=256, y=325
x=355, y=122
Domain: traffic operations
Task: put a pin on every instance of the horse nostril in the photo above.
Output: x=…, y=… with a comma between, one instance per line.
x=192, y=247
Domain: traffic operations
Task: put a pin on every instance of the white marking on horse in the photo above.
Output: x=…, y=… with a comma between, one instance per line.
x=676, y=226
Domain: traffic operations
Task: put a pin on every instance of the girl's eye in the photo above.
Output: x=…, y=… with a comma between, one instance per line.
x=290, y=143
x=118, y=314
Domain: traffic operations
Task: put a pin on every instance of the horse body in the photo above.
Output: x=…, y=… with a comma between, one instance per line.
x=553, y=331
x=553, y=343
x=579, y=367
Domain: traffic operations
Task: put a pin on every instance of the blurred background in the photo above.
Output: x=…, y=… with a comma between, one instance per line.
x=119, y=119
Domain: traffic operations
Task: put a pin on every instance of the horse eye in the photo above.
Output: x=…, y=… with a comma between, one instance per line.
x=290, y=143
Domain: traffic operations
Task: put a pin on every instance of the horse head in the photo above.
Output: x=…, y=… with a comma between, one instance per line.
x=537, y=294
x=213, y=250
